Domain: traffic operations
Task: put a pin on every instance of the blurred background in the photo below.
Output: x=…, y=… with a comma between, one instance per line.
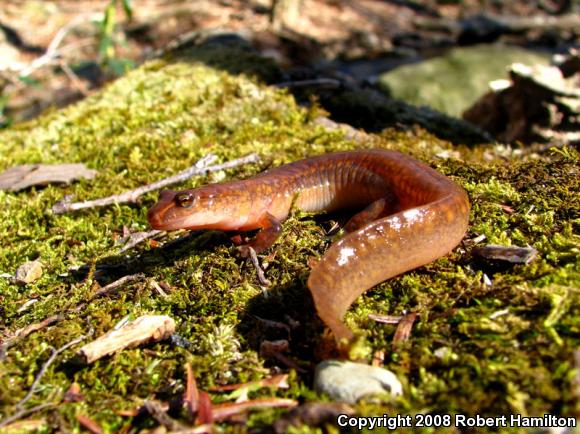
x=445, y=54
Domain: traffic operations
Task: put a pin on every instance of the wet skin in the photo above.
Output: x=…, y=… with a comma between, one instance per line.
x=411, y=215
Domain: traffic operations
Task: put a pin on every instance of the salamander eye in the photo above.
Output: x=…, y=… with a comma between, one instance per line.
x=185, y=200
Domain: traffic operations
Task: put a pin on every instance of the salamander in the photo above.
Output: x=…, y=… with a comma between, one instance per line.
x=408, y=215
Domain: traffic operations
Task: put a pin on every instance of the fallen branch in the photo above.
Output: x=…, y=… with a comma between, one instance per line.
x=200, y=168
x=118, y=283
x=146, y=328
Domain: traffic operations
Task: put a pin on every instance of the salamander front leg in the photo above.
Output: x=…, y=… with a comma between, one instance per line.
x=270, y=230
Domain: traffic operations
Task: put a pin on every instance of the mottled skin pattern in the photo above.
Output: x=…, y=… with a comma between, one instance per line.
x=413, y=216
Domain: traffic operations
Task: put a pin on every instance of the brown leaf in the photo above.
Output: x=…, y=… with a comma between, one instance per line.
x=205, y=413
x=191, y=394
x=268, y=348
x=89, y=424
x=513, y=254
x=73, y=394
x=21, y=177
x=28, y=272
x=404, y=329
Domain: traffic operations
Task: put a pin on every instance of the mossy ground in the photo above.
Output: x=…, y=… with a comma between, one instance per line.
x=502, y=348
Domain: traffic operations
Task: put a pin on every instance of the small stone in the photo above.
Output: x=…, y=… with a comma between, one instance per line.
x=28, y=272
x=349, y=382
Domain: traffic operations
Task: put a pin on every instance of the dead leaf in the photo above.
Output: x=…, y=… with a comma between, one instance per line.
x=21, y=177
x=513, y=254
x=404, y=329
x=89, y=424
x=28, y=272
x=205, y=413
x=73, y=394
x=191, y=394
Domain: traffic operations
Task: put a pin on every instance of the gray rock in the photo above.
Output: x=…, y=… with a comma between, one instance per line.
x=350, y=382
x=453, y=82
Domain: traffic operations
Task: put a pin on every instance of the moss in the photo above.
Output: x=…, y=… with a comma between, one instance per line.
x=453, y=82
x=475, y=348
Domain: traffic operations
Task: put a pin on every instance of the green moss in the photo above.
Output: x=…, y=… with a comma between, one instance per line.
x=475, y=348
x=453, y=82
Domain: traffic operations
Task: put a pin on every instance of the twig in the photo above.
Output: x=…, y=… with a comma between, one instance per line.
x=21, y=412
x=74, y=79
x=25, y=331
x=200, y=168
x=42, y=371
x=25, y=412
x=137, y=238
x=158, y=413
x=52, y=52
x=324, y=83
x=117, y=283
x=261, y=278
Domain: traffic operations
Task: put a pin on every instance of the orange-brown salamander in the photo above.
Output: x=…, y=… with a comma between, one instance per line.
x=411, y=215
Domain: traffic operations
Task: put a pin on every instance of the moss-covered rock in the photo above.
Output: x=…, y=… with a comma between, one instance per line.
x=453, y=82
x=476, y=348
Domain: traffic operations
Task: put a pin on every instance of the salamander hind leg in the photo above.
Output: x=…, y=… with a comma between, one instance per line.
x=377, y=209
x=270, y=230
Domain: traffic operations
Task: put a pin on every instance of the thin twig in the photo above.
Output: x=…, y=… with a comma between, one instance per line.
x=50, y=56
x=52, y=52
x=25, y=331
x=137, y=238
x=73, y=78
x=25, y=412
x=118, y=283
x=261, y=277
x=42, y=371
x=200, y=168
x=324, y=83
x=158, y=413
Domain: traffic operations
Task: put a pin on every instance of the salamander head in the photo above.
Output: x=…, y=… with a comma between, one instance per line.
x=189, y=209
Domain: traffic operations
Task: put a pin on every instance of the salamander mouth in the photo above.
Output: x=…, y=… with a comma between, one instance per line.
x=155, y=217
